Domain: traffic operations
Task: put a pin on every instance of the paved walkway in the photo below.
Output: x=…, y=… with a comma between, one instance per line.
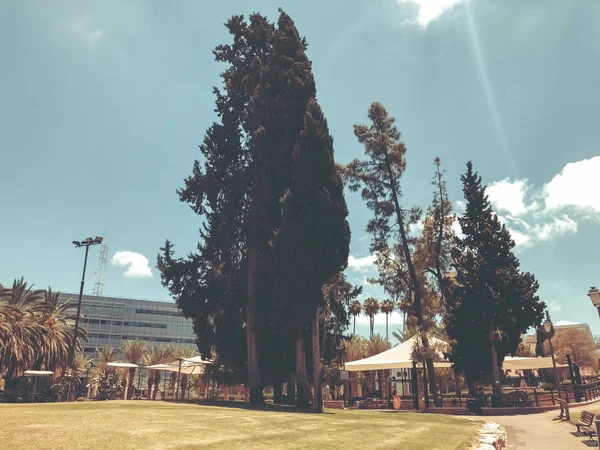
x=540, y=432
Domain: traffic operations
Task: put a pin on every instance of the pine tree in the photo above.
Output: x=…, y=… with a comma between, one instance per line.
x=433, y=248
x=379, y=177
x=493, y=301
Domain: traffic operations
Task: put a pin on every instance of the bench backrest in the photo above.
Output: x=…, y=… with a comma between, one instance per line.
x=587, y=417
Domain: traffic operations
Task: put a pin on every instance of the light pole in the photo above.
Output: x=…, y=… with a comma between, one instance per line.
x=548, y=328
x=594, y=295
x=87, y=242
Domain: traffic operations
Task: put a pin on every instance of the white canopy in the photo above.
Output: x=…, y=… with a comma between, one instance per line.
x=399, y=357
x=520, y=363
x=38, y=373
x=122, y=365
x=187, y=370
x=193, y=361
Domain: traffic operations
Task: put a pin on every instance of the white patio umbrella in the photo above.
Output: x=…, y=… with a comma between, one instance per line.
x=36, y=374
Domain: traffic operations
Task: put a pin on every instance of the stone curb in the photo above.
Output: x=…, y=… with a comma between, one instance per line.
x=491, y=437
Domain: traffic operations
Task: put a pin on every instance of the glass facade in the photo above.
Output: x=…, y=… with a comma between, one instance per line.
x=109, y=321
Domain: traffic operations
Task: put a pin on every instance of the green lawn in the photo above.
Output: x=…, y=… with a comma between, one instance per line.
x=575, y=416
x=154, y=424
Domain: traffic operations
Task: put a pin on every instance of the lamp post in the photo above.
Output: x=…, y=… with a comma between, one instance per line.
x=594, y=295
x=548, y=327
x=87, y=242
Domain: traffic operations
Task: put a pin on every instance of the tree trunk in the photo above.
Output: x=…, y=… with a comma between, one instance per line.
x=127, y=383
x=277, y=390
x=252, y=339
x=495, y=369
x=150, y=383
x=303, y=399
x=156, y=384
x=386, y=327
x=431, y=373
x=354, y=328
x=291, y=390
x=471, y=386
x=416, y=285
x=131, y=382
x=316, y=351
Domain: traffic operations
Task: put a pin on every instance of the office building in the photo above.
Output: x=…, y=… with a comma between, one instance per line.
x=110, y=321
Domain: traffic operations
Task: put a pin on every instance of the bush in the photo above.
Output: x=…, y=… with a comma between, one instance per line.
x=109, y=385
x=81, y=399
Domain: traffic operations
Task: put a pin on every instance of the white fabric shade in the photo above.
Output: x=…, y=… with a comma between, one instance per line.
x=520, y=363
x=38, y=373
x=122, y=365
x=187, y=370
x=399, y=357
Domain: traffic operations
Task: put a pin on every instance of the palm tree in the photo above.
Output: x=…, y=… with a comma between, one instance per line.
x=155, y=355
x=371, y=307
x=20, y=331
x=355, y=310
x=133, y=351
x=58, y=323
x=387, y=307
x=36, y=329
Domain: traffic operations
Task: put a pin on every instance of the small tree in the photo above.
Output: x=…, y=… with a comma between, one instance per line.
x=493, y=302
x=578, y=344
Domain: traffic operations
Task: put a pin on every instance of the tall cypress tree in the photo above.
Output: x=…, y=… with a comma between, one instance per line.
x=493, y=302
x=312, y=243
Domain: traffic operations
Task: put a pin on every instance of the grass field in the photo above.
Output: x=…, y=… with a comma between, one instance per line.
x=160, y=425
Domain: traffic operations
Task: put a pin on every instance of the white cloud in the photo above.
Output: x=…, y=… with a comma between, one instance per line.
x=553, y=306
x=361, y=264
x=457, y=229
x=85, y=28
x=575, y=186
x=509, y=196
x=136, y=263
x=430, y=10
x=565, y=322
x=557, y=227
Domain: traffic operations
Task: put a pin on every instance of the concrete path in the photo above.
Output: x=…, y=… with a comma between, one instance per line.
x=540, y=432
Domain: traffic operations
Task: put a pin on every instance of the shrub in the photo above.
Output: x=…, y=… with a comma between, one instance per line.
x=81, y=399
x=109, y=385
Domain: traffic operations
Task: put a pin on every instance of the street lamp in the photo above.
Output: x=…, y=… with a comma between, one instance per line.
x=594, y=295
x=548, y=327
x=87, y=242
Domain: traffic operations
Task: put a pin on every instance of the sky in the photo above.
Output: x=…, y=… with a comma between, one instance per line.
x=103, y=105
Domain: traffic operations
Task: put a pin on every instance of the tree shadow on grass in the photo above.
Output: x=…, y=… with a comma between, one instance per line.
x=247, y=406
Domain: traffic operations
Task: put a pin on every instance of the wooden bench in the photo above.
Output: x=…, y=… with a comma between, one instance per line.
x=585, y=423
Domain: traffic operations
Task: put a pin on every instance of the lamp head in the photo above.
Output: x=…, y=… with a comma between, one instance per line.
x=548, y=326
x=77, y=243
x=98, y=240
x=594, y=295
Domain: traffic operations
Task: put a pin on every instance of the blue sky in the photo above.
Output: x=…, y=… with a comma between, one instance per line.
x=104, y=103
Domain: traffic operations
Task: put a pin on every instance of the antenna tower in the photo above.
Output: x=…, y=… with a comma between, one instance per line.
x=99, y=284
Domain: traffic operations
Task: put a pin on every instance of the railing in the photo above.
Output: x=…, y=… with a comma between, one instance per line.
x=527, y=396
